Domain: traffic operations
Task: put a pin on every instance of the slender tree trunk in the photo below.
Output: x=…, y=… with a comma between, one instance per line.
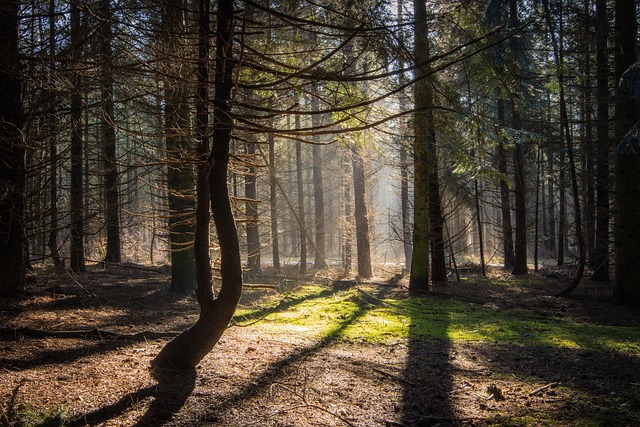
x=505, y=200
x=302, y=230
x=76, y=249
x=404, y=160
x=520, y=260
x=108, y=136
x=12, y=238
x=558, y=54
x=424, y=137
x=273, y=203
x=347, y=239
x=360, y=213
x=562, y=209
x=318, y=187
x=479, y=223
x=251, y=210
x=190, y=347
x=436, y=225
x=551, y=187
x=52, y=242
x=600, y=257
x=627, y=156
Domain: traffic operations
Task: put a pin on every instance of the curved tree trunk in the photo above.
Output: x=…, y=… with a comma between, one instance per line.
x=191, y=346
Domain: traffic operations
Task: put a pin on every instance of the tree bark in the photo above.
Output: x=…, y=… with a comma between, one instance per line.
x=52, y=241
x=12, y=172
x=273, y=203
x=108, y=136
x=180, y=173
x=77, y=262
x=251, y=210
x=361, y=217
x=318, y=188
x=191, y=346
x=505, y=200
x=520, y=258
x=424, y=136
x=302, y=229
x=627, y=156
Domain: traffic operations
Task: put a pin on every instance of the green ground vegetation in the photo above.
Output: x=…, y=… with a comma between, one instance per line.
x=364, y=315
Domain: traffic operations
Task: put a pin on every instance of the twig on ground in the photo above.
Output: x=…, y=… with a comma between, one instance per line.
x=543, y=388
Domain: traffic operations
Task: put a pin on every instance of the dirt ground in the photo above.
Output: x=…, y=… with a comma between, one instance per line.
x=280, y=379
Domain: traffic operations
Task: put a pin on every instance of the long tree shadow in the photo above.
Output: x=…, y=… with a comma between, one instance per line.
x=427, y=376
x=271, y=373
x=169, y=394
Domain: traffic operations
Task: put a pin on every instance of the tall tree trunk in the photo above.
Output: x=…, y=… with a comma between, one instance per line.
x=505, y=200
x=347, y=238
x=558, y=55
x=190, y=347
x=77, y=262
x=108, y=136
x=627, y=156
x=562, y=209
x=318, y=188
x=12, y=171
x=273, y=202
x=52, y=241
x=600, y=257
x=404, y=157
x=251, y=210
x=360, y=213
x=520, y=249
x=180, y=174
x=551, y=201
x=302, y=229
x=424, y=138
x=436, y=224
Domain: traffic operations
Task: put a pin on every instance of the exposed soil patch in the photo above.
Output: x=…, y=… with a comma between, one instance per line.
x=281, y=379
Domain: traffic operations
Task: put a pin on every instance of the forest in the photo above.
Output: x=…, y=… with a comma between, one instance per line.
x=319, y=213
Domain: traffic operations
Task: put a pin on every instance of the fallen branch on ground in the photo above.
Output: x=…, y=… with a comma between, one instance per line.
x=543, y=388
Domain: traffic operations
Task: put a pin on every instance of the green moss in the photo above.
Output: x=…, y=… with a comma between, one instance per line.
x=353, y=315
x=27, y=415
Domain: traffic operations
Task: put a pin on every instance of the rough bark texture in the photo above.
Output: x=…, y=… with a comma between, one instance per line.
x=505, y=200
x=12, y=172
x=423, y=129
x=627, y=157
x=191, y=346
x=76, y=249
x=180, y=174
x=108, y=136
x=361, y=218
x=251, y=210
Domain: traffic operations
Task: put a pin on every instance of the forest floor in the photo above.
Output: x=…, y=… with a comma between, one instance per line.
x=486, y=351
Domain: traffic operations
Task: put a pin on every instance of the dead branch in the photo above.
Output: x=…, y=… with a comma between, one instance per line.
x=543, y=388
